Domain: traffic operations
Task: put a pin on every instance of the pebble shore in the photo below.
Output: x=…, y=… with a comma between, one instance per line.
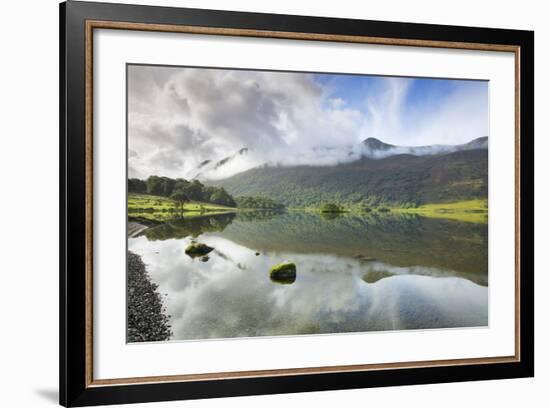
x=147, y=319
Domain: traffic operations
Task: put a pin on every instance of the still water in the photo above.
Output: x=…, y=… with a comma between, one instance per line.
x=353, y=274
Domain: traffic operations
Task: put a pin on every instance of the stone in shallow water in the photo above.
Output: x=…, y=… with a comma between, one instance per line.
x=375, y=276
x=283, y=273
x=364, y=258
x=196, y=249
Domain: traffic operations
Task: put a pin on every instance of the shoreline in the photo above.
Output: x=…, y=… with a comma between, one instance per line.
x=146, y=314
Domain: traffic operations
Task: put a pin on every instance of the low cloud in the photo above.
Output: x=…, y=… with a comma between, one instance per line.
x=180, y=117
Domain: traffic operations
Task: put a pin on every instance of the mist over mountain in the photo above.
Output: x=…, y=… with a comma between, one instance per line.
x=182, y=121
x=375, y=148
x=383, y=174
x=213, y=169
x=371, y=147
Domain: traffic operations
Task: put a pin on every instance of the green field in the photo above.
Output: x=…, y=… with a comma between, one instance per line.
x=157, y=208
x=466, y=211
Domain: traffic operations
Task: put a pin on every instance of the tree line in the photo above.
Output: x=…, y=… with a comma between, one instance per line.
x=258, y=202
x=184, y=190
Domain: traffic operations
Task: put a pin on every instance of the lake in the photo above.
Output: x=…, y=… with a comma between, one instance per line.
x=354, y=273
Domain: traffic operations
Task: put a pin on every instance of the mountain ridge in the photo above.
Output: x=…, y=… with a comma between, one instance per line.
x=378, y=149
x=369, y=147
x=401, y=178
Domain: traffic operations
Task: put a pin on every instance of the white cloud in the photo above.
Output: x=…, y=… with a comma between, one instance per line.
x=180, y=117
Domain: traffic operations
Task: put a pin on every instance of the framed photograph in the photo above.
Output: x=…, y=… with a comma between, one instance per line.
x=256, y=204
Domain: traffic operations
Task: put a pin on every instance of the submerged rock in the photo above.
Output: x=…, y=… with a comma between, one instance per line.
x=283, y=273
x=364, y=258
x=195, y=249
x=375, y=276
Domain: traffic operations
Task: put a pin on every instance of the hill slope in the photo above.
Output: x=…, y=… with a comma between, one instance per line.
x=375, y=148
x=397, y=179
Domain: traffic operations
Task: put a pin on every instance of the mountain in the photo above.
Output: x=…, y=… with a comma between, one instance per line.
x=375, y=148
x=208, y=168
x=227, y=159
x=375, y=145
x=446, y=173
x=204, y=163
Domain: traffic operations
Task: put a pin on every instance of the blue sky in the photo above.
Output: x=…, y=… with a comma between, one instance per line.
x=423, y=92
x=179, y=117
x=422, y=100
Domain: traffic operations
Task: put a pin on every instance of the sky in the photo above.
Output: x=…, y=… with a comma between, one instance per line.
x=180, y=117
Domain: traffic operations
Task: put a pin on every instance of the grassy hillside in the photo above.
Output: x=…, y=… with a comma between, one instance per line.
x=465, y=211
x=158, y=208
x=399, y=180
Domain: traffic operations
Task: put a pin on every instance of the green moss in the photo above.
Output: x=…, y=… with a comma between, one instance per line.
x=283, y=273
x=375, y=276
x=196, y=249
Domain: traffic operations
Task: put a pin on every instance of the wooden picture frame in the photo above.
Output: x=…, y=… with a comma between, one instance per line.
x=78, y=20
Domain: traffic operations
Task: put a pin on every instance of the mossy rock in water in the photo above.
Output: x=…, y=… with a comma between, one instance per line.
x=331, y=208
x=195, y=249
x=364, y=258
x=375, y=276
x=283, y=273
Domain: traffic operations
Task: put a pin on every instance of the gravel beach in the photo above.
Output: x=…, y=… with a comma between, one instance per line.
x=147, y=320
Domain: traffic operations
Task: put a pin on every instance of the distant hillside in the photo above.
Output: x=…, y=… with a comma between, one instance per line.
x=396, y=179
x=242, y=159
x=375, y=148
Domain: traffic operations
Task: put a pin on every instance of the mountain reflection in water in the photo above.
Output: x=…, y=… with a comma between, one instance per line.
x=353, y=273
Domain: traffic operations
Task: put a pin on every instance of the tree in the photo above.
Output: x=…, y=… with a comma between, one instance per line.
x=258, y=202
x=181, y=184
x=222, y=197
x=162, y=186
x=137, y=186
x=179, y=198
x=167, y=186
x=207, y=193
x=154, y=185
x=194, y=190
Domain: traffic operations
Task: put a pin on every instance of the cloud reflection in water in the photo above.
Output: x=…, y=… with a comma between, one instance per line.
x=232, y=294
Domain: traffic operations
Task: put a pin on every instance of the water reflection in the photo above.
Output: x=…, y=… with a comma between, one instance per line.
x=352, y=274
